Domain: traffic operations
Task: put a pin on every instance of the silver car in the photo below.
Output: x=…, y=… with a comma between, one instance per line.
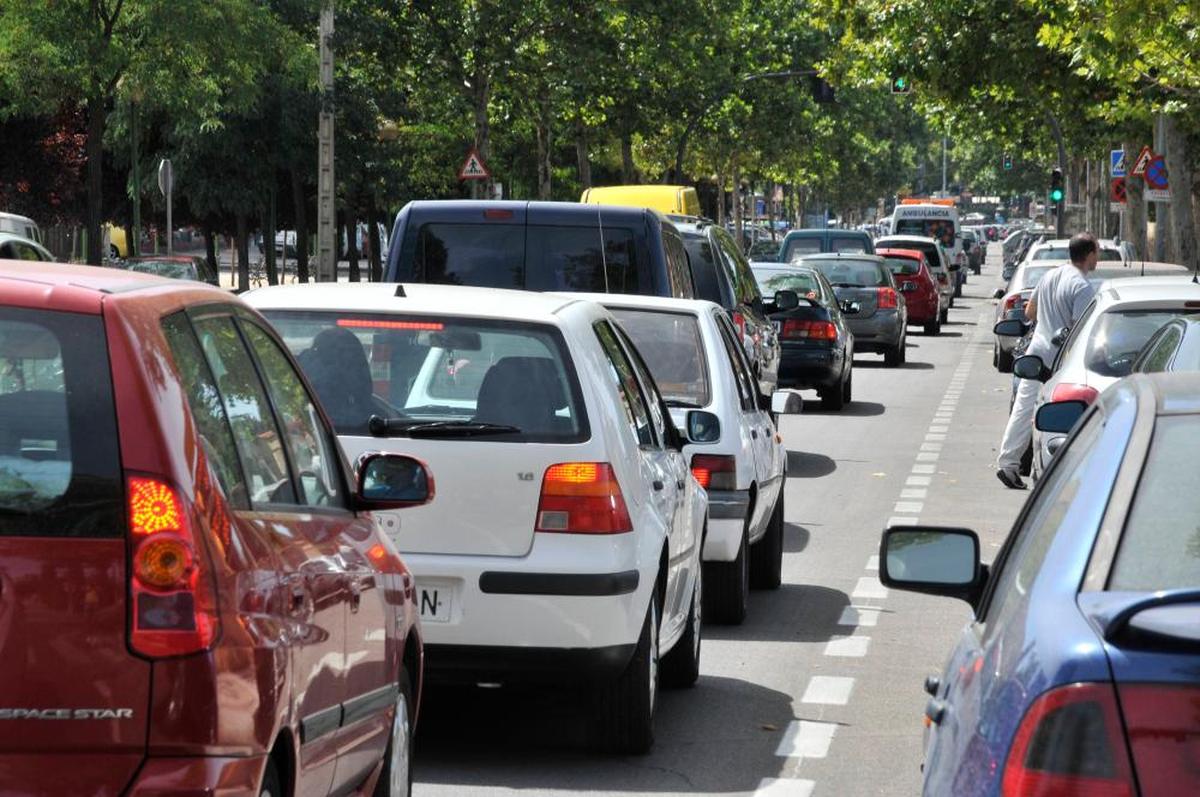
x=1012, y=305
x=871, y=303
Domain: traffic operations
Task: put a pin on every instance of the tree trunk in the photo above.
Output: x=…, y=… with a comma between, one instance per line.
x=352, y=244
x=1179, y=167
x=544, y=147
x=720, y=197
x=242, y=241
x=581, y=154
x=373, y=239
x=210, y=251
x=628, y=167
x=481, y=93
x=269, y=240
x=95, y=180
x=298, y=209
x=1135, y=226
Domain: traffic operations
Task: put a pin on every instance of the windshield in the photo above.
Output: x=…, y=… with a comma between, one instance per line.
x=851, y=273
x=174, y=269
x=803, y=283
x=422, y=371
x=800, y=246
x=671, y=346
x=1118, y=337
x=903, y=265
x=939, y=229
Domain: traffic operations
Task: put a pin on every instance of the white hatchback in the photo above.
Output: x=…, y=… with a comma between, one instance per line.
x=734, y=449
x=565, y=542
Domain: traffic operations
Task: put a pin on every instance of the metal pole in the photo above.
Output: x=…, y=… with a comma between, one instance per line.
x=945, y=140
x=1162, y=210
x=170, y=227
x=326, y=185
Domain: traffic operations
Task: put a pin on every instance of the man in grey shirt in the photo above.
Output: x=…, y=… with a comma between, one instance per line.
x=1057, y=302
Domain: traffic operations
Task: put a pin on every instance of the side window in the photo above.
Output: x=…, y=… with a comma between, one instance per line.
x=1159, y=357
x=207, y=411
x=745, y=288
x=741, y=375
x=678, y=272
x=313, y=453
x=636, y=410
x=649, y=386
x=259, y=443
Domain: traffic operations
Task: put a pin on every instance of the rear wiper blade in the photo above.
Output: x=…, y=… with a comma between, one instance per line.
x=387, y=427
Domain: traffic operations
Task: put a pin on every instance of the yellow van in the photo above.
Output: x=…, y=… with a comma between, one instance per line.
x=673, y=200
x=117, y=241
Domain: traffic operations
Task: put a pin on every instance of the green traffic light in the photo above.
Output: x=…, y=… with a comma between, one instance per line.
x=1056, y=195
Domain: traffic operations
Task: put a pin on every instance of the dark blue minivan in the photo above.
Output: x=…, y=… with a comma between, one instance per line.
x=539, y=246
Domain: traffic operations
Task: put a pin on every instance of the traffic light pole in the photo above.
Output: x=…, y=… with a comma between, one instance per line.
x=1060, y=220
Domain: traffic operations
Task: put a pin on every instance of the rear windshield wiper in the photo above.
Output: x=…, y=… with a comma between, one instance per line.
x=388, y=427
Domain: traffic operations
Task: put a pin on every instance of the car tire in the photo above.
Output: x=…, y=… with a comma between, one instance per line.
x=681, y=667
x=766, y=555
x=893, y=356
x=114, y=252
x=726, y=586
x=833, y=398
x=848, y=387
x=1004, y=361
x=272, y=784
x=944, y=316
x=396, y=778
x=626, y=706
x=933, y=327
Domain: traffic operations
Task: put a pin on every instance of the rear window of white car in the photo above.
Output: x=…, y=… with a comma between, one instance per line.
x=1118, y=337
x=1061, y=253
x=443, y=377
x=671, y=346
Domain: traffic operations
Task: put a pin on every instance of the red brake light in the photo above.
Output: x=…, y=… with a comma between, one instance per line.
x=582, y=498
x=1011, y=302
x=372, y=323
x=173, y=605
x=887, y=298
x=1070, y=743
x=496, y=213
x=1161, y=724
x=795, y=328
x=1069, y=391
x=715, y=471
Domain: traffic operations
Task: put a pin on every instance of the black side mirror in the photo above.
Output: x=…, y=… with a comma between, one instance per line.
x=932, y=560
x=1059, y=417
x=703, y=427
x=1011, y=328
x=392, y=481
x=999, y=294
x=786, y=300
x=1030, y=366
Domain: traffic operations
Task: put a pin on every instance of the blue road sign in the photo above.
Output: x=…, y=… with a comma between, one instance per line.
x=1117, y=163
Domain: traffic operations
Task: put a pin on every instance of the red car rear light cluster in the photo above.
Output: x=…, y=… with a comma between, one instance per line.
x=715, y=471
x=887, y=298
x=1160, y=720
x=1069, y=391
x=174, y=607
x=582, y=498
x=1070, y=743
x=798, y=329
x=1011, y=302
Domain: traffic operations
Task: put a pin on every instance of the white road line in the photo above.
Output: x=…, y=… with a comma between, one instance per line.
x=854, y=647
x=919, y=481
x=828, y=690
x=859, y=617
x=908, y=508
x=939, y=429
x=873, y=562
x=927, y=456
x=913, y=492
x=805, y=739
x=935, y=437
x=924, y=468
x=897, y=520
x=931, y=446
x=869, y=587
x=783, y=787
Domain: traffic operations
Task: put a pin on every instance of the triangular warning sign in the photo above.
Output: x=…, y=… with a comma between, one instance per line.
x=1143, y=160
x=473, y=168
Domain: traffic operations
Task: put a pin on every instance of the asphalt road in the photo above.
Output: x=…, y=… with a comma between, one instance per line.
x=820, y=691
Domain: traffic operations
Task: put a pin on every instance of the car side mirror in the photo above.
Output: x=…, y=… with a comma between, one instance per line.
x=1031, y=366
x=932, y=560
x=703, y=427
x=786, y=300
x=1011, y=328
x=999, y=294
x=786, y=402
x=1059, y=417
x=1060, y=336
x=392, y=481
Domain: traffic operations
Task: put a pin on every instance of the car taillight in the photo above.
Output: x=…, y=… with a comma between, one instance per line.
x=798, y=329
x=887, y=298
x=739, y=321
x=1069, y=391
x=173, y=605
x=1070, y=743
x=1011, y=302
x=715, y=471
x=1163, y=735
x=582, y=498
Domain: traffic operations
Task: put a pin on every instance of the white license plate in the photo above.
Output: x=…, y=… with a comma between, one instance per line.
x=436, y=602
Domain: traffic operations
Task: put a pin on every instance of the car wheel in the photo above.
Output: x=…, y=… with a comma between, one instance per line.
x=271, y=786
x=944, y=316
x=1004, y=361
x=726, y=586
x=832, y=398
x=848, y=386
x=681, y=667
x=904, y=347
x=892, y=357
x=626, y=706
x=766, y=555
x=396, y=778
x=114, y=252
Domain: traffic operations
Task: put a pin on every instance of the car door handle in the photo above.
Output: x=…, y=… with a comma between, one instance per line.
x=658, y=485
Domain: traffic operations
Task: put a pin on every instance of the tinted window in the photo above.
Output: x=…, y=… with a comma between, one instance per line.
x=738, y=269
x=422, y=371
x=1116, y=339
x=854, y=245
x=1158, y=354
x=632, y=401
x=803, y=283
x=707, y=271
x=654, y=403
x=796, y=248
x=678, y=270
x=671, y=346
x=488, y=255
x=1160, y=548
x=903, y=265
x=570, y=259
x=60, y=469
x=737, y=361
x=852, y=273
x=314, y=456
x=259, y=444
x=208, y=413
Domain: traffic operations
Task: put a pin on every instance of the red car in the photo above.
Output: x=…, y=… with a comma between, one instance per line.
x=917, y=285
x=194, y=598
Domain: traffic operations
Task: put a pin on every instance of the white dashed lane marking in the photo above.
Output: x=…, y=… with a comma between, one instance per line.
x=869, y=587
x=806, y=739
x=853, y=647
x=780, y=787
x=828, y=690
x=859, y=616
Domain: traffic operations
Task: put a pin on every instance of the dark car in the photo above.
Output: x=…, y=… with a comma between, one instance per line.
x=195, y=597
x=721, y=274
x=816, y=344
x=539, y=246
x=1077, y=673
x=871, y=301
x=181, y=267
x=799, y=243
x=1175, y=347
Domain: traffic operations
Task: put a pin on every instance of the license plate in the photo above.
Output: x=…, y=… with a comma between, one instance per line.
x=436, y=602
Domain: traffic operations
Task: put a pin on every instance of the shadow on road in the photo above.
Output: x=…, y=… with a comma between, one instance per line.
x=795, y=538
x=946, y=334
x=792, y=613
x=717, y=737
x=855, y=409
x=911, y=365
x=806, y=465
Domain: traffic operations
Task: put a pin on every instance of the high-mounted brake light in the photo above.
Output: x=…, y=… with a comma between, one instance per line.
x=887, y=298
x=582, y=498
x=496, y=213
x=371, y=323
x=798, y=329
x=715, y=471
x=1069, y=391
x=173, y=605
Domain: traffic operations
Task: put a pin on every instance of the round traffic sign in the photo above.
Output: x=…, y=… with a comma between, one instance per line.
x=1117, y=190
x=1156, y=173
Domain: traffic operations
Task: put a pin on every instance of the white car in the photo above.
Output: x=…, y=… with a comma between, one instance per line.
x=1102, y=345
x=1057, y=250
x=565, y=545
x=735, y=451
x=1012, y=305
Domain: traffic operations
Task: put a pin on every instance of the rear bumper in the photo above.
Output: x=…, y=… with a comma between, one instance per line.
x=921, y=310
x=471, y=664
x=809, y=367
x=198, y=777
x=880, y=331
x=728, y=505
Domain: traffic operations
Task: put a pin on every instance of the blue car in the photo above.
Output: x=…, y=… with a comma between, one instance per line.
x=1080, y=674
